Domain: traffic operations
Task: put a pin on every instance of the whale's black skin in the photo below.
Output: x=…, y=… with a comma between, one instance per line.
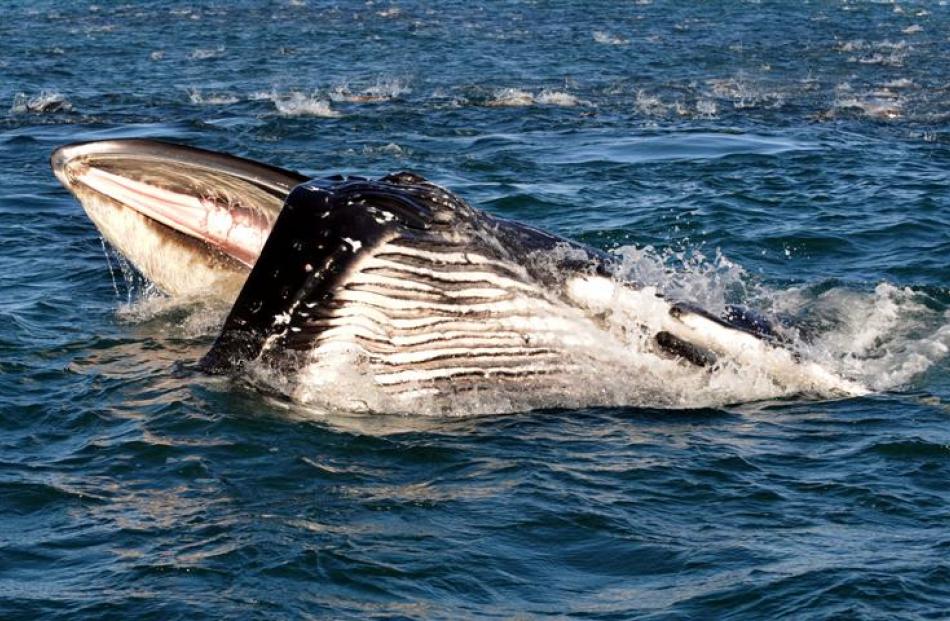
x=325, y=227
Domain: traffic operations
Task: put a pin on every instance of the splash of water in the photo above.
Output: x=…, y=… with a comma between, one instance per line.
x=517, y=98
x=44, y=102
x=296, y=103
x=199, y=98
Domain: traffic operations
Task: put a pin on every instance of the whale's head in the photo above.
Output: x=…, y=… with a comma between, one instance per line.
x=192, y=221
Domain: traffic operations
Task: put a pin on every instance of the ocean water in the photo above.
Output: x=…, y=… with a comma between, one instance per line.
x=791, y=155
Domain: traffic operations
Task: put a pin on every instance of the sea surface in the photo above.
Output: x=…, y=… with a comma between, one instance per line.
x=795, y=155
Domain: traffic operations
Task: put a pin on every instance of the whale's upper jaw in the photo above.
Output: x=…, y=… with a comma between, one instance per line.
x=193, y=221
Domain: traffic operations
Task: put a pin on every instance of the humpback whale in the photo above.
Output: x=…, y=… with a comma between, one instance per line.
x=398, y=290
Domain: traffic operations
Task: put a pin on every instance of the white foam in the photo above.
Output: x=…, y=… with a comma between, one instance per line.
x=392, y=150
x=649, y=104
x=881, y=104
x=516, y=97
x=745, y=93
x=884, y=338
x=263, y=95
x=852, y=46
x=557, y=98
x=886, y=53
x=190, y=317
x=706, y=108
x=899, y=83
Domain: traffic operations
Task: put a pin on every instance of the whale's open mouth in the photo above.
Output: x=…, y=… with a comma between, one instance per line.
x=220, y=204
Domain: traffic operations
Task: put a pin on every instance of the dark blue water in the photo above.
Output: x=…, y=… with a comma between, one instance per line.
x=793, y=153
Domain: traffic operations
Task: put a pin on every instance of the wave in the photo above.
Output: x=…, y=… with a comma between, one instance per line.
x=744, y=93
x=296, y=103
x=511, y=97
x=383, y=90
x=388, y=150
x=515, y=97
x=890, y=98
x=206, y=53
x=899, y=83
x=885, y=53
x=557, y=98
x=873, y=107
x=392, y=11
x=46, y=102
x=210, y=99
x=885, y=338
x=880, y=104
x=652, y=105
